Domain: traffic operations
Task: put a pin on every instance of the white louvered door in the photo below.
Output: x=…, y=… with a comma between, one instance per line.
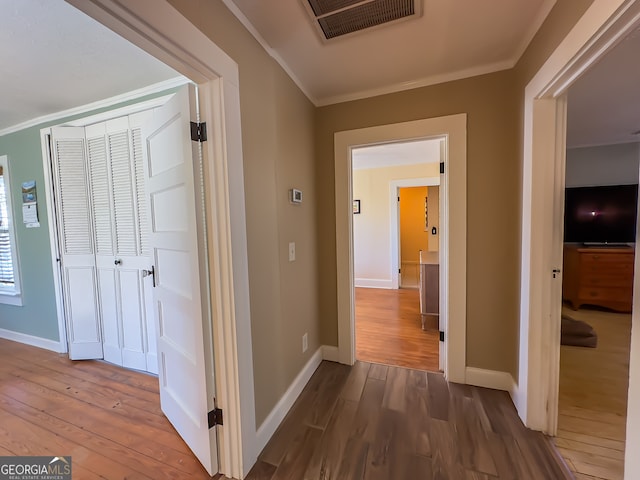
x=122, y=252
x=115, y=219
x=76, y=243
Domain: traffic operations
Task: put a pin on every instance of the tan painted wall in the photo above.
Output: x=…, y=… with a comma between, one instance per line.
x=489, y=102
x=413, y=236
x=277, y=141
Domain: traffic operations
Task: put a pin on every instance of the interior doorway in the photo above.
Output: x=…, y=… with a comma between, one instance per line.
x=390, y=231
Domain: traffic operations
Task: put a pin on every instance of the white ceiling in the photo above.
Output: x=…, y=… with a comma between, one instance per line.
x=395, y=154
x=452, y=39
x=54, y=58
x=604, y=104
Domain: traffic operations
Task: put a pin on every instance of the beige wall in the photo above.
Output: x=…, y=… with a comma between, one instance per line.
x=277, y=141
x=489, y=102
x=372, y=228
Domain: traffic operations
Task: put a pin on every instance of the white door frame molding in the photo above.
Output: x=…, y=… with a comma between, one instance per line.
x=453, y=241
x=394, y=220
x=602, y=26
x=158, y=28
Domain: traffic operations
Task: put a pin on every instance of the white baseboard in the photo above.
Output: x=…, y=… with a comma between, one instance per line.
x=273, y=420
x=330, y=353
x=33, y=341
x=490, y=379
x=373, y=283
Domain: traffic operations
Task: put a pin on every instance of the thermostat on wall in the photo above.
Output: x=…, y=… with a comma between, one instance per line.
x=296, y=196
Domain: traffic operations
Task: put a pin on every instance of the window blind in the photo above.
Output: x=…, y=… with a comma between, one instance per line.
x=6, y=261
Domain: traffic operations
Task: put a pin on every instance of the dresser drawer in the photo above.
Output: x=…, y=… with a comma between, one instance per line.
x=605, y=294
x=606, y=258
x=597, y=279
x=606, y=268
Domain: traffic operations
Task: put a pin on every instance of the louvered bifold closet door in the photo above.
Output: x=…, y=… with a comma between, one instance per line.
x=130, y=284
x=76, y=243
x=103, y=221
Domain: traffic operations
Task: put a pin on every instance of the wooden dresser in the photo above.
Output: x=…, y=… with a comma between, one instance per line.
x=598, y=276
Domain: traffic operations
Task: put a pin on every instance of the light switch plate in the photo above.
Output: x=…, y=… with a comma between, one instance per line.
x=292, y=251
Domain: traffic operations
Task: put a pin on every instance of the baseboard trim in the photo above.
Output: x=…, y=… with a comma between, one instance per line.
x=39, y=342
x=495, y=379
x=330, y=353
x=273, y=420
x=373, y=283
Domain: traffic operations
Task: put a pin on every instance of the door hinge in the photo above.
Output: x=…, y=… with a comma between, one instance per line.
x=441, y=167
x=215, y=417
x=199, y=132
x=399, y=270
x=441, y=336
x=398, y=198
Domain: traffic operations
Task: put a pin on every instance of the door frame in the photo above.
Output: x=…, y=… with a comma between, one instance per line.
x=394, y=216
x=599, y=30
x=453, y=226
x=160, y=30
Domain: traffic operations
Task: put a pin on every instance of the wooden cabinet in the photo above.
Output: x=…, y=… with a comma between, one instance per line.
x=429, y=290
x=598, y=276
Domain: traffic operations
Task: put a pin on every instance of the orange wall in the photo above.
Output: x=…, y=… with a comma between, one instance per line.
x=413, y=237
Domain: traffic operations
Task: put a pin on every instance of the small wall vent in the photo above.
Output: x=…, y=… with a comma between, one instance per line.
x=334, y=18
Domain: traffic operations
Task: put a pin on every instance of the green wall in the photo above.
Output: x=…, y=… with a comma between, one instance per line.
x=37, y=315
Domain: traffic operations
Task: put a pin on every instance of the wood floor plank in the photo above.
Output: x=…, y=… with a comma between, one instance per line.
x=593, y=396
x=438, y=396
x=41, y=413
x=395, y=397
x=297, y=458
x=388, y=329
x=261, y=471
x=378, y=371
x=354, y=385
x=365, y=423
x=327, y=458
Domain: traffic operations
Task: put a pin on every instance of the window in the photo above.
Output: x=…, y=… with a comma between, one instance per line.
x=9, y=275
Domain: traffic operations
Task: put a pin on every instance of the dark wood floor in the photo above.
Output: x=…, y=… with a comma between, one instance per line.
x=107, y=418
x=371, y=422
x=389, y=331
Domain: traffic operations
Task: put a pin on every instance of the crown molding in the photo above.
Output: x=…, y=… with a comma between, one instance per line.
x=107, y=102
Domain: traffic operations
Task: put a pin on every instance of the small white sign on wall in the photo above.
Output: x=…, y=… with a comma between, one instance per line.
x=29, y=204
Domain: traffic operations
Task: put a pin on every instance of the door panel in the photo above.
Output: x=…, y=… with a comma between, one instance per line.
x=73, y=208
x=186, y=382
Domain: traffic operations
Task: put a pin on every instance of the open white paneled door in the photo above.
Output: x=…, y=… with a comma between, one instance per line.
x=77, y=256
x=185, y=341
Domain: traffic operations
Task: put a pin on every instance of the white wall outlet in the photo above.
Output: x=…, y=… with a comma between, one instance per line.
x=292, y=251
x=305, y=343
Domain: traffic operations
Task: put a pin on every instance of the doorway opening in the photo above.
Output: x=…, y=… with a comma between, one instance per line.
x=391, y=231
x=451, y=131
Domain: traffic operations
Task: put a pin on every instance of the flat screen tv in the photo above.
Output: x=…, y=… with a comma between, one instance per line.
x=601, y=215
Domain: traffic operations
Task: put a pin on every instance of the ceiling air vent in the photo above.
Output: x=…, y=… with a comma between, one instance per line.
x=340, y=17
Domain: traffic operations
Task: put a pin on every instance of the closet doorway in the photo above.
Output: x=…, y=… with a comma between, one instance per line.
x=106, y=273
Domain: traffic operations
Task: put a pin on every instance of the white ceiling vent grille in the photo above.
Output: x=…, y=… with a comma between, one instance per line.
x=335, y=18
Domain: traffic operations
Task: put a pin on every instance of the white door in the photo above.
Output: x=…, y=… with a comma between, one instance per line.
x=120, y=236
x=77, y=256
x=184, y=332
x=444, y=263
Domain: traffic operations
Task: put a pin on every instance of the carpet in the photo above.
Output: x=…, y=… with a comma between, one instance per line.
x=577, y=333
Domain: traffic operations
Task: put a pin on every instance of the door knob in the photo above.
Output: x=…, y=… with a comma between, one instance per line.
x=150, y=273
x=555, y=271
x=117, y=261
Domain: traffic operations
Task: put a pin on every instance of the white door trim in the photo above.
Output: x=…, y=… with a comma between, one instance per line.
x=158, y=28
x=394, y=226
x=453, y=129
x=603, y=25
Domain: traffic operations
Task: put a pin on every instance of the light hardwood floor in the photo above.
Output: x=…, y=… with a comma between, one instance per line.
x=593, y=397
x=388, y=329
x=107, y=418
x=376, y=422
